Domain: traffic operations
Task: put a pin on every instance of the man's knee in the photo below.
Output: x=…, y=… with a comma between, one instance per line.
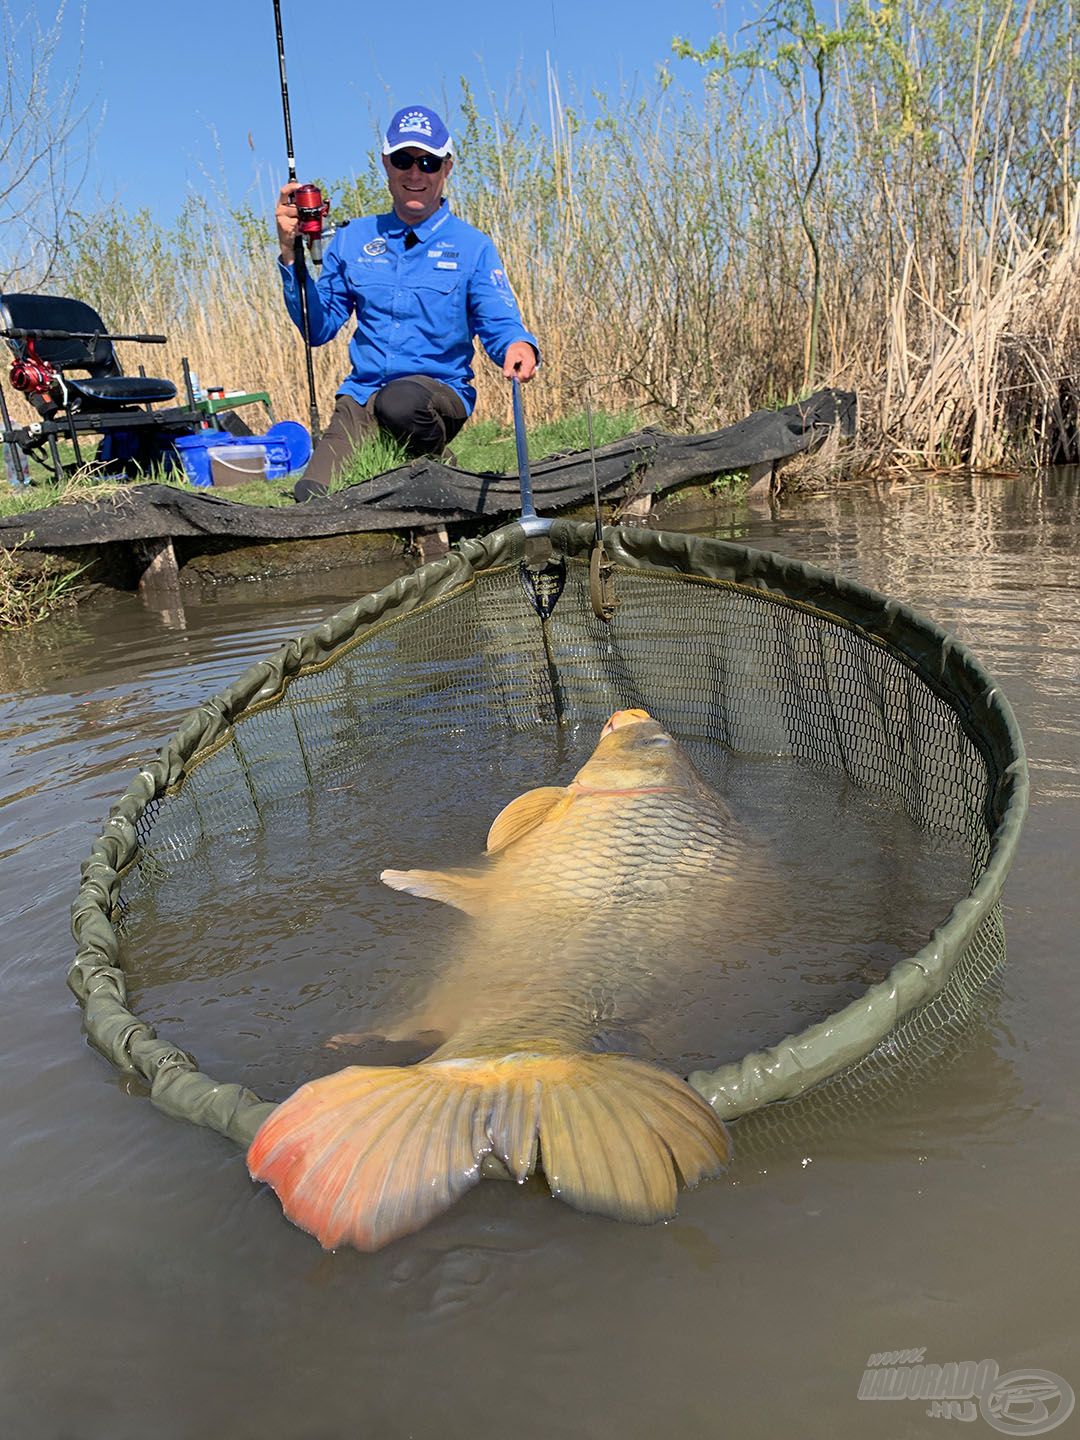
x=421, y=414
x=404, y=409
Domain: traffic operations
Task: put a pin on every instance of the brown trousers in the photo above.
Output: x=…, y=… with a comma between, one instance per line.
x=421, y=413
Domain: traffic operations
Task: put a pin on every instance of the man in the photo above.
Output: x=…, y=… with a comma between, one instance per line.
x=421, y=284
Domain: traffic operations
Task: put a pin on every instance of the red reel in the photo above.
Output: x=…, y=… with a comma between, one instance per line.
x=30, y=374
x=311, y=210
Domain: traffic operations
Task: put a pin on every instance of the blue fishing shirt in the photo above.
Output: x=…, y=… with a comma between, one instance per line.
x=417, y=309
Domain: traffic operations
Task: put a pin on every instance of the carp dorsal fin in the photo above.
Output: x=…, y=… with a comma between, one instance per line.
x=461, y=888
x=522, y=815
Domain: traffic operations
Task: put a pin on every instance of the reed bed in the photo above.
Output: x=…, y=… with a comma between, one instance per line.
x=901, y=220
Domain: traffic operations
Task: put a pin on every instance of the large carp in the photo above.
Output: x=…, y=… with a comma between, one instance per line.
x=591, y=889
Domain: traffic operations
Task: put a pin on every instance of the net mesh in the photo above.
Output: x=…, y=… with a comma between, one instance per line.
x=722, y=645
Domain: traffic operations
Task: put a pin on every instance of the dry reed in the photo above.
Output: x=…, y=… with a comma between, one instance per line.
x=659, y=252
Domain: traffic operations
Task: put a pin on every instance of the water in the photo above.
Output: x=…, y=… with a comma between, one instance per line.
x=249, y=953
x=150, y=1286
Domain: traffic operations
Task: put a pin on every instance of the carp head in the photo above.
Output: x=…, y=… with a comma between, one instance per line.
x=636, y=753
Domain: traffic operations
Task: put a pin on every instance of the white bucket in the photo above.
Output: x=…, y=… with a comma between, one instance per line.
x=236, y=464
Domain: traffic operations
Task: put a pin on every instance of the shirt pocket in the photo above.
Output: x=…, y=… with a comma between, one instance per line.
x=436, y=300
x=372, y=287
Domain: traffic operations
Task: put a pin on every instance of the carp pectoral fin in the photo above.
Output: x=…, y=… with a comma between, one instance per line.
x=464, y=889
x=522, y=815
x=374, y=1152
x=400, y=1045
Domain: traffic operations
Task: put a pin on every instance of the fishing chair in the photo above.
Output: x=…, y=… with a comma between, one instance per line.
x=50, y=336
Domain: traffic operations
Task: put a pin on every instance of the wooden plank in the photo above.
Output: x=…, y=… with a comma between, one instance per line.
x=158, y=570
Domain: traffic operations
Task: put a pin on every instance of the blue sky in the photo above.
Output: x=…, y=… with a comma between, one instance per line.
x=179, y=89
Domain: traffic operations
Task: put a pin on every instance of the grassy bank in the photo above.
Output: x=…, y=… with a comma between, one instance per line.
x=28, y=595
x=483, y=445
x=884, y=201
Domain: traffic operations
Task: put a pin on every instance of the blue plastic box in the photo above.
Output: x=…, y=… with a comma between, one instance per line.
x=287, y=445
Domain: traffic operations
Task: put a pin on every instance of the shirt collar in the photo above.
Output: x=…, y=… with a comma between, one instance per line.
x=397, y=228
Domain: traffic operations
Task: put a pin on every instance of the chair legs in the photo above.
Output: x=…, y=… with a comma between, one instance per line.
x=74, y=437
x=22, y=474
x=57, y=463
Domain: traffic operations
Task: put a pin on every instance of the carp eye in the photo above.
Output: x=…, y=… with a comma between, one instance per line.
x=659, y=740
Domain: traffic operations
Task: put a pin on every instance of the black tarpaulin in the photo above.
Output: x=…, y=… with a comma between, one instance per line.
x=428, y=493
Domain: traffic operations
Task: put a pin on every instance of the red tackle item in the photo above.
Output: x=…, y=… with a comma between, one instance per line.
x=31, y=375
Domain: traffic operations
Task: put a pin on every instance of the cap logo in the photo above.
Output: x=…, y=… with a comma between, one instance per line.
x=415, y=121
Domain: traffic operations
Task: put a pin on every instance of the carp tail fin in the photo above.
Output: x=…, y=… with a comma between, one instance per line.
x=374, y=1152
x=369, y=1153
x=617, y=1135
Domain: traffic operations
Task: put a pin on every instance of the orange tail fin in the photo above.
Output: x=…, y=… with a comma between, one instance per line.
x=374, y=1152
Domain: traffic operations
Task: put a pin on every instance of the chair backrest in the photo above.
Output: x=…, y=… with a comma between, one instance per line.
x=58, y=312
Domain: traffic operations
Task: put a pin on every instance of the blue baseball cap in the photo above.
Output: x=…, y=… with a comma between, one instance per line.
x=419, y=126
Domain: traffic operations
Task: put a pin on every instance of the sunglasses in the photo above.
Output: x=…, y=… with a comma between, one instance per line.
x=427, y=164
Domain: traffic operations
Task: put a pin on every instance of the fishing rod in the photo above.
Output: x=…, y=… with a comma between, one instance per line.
x=310, y=210
x=92, y=335
x=530, y=522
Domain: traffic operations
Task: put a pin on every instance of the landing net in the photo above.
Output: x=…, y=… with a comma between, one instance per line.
x=723, y=644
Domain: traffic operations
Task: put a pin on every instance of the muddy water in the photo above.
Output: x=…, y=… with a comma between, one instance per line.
x=249, y=958
x=149, y=1288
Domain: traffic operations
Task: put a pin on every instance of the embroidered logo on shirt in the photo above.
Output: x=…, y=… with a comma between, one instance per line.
x=498, y=278
x=445, y=264
x=376, y=246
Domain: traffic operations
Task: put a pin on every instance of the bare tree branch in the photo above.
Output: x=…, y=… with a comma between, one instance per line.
x=44, y=143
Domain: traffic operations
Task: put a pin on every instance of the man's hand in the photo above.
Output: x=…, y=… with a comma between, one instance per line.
x=285, y=218
x=520, y=358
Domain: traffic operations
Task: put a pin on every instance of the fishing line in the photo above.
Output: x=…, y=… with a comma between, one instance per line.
x=543, y=574
x=602, y=595
x=601, y=585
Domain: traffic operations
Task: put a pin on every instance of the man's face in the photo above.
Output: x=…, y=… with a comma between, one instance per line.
x=416, y=196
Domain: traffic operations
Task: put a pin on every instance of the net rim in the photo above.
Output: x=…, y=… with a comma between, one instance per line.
x=782, y=1071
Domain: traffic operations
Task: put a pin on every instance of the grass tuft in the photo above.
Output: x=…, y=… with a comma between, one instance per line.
x=374, y=457
x=28, y=595
x=486, y=445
